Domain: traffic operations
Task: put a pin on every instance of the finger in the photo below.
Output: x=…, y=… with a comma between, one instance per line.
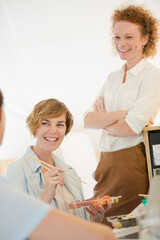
x=61, y=183
x=89, y=211
x=99, y=208
x=96, y=105
x=151, y=121
x=101, y=103
x=60, y=169
x=52, y=172
x=95, y=210
x=108, y=205
x=53, y=184
x=51, y=180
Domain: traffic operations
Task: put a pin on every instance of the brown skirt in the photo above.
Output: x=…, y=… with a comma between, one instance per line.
x=122, y=173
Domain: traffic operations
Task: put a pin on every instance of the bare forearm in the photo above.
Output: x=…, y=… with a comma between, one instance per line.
x=120, y=129
x=102, y=119
x=46, y=199
x=73, y=228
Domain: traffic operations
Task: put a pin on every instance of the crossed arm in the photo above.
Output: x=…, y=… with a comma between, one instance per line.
x=113, y=122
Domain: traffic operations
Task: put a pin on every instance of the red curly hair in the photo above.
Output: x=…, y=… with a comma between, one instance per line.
x=149, y=25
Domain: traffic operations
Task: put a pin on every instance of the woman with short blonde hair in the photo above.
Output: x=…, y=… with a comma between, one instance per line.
x=49, y=122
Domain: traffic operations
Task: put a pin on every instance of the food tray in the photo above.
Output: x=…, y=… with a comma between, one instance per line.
x=123, y=221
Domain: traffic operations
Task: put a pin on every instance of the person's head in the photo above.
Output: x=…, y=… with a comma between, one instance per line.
x=2, y=118
x=147, y=24
x=49, y=122
x=49, y=108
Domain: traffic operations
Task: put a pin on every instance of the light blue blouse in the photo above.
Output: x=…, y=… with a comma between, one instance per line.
x=27, y=176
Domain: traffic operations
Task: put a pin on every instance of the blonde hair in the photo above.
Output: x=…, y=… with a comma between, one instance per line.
x=149, y=25
x=49, y=108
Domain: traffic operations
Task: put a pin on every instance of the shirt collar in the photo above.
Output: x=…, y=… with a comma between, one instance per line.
x=35, y=166
x=138, y=67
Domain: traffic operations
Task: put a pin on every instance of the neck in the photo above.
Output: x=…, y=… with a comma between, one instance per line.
x=130, y=64
x=43, y=155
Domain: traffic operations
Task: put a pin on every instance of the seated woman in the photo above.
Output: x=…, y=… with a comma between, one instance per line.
x=49, y=122
x=38, y=220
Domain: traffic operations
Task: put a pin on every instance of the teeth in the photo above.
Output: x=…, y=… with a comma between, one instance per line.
x=123, y=50
x=51, y=139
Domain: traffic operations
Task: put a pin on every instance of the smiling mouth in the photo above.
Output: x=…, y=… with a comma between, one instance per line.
x=123, y=51
x=51, y=139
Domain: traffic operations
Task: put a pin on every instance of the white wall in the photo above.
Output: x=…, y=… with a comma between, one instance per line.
x=60, y=49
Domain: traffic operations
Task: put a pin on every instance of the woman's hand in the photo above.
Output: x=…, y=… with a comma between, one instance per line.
x=151, y=122
x=99, y=105
x=97, y=212
x=51, y=179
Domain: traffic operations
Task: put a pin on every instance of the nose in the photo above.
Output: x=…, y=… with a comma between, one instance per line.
x=122, y=42
x=53, y=129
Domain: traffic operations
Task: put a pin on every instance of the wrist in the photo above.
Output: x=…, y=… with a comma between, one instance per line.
x=47, y=199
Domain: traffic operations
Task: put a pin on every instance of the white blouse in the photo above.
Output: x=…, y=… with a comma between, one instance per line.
x=139, y=95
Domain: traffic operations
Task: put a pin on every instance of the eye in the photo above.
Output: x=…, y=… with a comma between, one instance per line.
x=61, y=125
x=44, y=123
x=116, y=37
x=128, y=37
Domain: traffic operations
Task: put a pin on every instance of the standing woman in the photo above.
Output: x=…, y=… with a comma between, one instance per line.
x=49, y=122
x=127, y=102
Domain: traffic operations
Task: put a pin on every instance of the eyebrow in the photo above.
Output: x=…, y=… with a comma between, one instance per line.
x=125, y=33
x=58, y=121
x=61, y=122
x=46, y=120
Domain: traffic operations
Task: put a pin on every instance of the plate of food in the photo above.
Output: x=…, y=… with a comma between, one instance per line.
x=105, y=200
x=123, y=221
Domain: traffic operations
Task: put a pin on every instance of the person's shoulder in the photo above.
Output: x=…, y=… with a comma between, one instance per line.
x=15, y=167
x=16, y=164
x=114, y=74
x=152, y=68
x=3, y=180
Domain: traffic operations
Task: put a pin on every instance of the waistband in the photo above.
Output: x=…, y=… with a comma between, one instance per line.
x=140, y=145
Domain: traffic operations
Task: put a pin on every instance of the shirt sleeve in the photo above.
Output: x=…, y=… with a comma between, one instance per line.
x=15, y=175
x=147, y=102
x=19, y=213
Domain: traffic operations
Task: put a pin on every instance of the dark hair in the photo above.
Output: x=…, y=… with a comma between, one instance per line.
x=149, y=25
x=1, y=99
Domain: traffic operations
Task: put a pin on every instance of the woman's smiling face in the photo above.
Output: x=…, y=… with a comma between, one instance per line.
x=51, y=133
x=129, y=42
